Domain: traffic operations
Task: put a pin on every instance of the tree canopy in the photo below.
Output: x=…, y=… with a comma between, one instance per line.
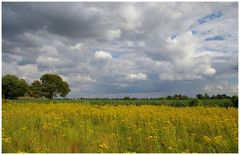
x=49, y=86
x=53, y=85
x=13, y=87
x=35, y=89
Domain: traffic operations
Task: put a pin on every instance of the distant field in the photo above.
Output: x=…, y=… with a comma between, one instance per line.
x=138, y=102
x=83, y=128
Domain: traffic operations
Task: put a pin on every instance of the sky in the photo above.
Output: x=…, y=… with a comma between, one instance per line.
x=124, y=49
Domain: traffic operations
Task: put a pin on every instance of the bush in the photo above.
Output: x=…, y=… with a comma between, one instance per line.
x=227, y=104
x=194, y=102
x=234, y=100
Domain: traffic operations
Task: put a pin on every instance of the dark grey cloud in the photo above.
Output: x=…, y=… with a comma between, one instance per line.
x=65, y=19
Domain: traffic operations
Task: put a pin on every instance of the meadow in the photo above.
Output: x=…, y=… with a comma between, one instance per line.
x=70, y=127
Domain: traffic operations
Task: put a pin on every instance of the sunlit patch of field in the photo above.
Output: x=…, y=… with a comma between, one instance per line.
x=72, y=127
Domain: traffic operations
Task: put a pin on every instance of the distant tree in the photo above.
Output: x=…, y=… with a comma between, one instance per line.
x=126, y=98
x=184, y=97
x=176, y=97
x=206, y=96
x=222, y=96
x=213, y=97
x=169, y=97
x=13, y=87
x=35, y=90
x=53, y=85
x=234, y=100
x=199, y=96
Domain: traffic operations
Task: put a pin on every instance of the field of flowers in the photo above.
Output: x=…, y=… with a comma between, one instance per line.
x=82, y=128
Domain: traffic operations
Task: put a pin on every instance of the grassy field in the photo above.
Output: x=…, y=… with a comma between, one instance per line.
x=75, y=127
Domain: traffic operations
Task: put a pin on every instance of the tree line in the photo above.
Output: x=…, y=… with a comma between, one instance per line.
x=52, y=85
x=49, y=86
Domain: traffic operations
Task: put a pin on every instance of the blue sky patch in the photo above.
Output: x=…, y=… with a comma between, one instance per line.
x=218, y=38
x=174, y=36
x=194, y=31
x=116, y=54
x=209, y=17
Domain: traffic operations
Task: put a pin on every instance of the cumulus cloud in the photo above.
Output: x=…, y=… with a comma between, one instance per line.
x=138, y=76
x=78, y=46
x=102, y=55
x=221, y=88
x=47, y=60
x=182, y=52
x=114, y=34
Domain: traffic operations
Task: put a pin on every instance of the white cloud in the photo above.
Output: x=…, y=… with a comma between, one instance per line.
x=47, y=60
x=78, y=46
x=102, y=55
x=49, y=50
x=135, y=44
x=80, y=78
x=114, y=34
x=138, y=76
x=129, y=43
x=220, y=88
x=131, y=14
x=210, y=71
x=186, y=63
x=141, y=44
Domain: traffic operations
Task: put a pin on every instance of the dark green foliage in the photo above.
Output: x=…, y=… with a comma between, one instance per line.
x=53, y=85
x=140, y=102
x=228, y=103
x=206, y=96
x=49, y=86
x=218, y=96
x=199, y=96
x=35, y=90
x=194, y=102
x=169, y=97
x=234, y=100
x=13, y=87
x=222, y=96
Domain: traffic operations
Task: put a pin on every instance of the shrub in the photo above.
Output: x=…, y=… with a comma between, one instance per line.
x=234, y=100
x=194, y=102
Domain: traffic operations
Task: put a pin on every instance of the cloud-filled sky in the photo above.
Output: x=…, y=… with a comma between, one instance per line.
x=124, y=49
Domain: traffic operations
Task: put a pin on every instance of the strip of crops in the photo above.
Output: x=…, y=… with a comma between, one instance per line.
x=138, y=102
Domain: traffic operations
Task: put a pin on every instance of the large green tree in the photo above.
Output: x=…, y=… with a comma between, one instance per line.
x=53, y=85
x=35, y=90
x=13, y=87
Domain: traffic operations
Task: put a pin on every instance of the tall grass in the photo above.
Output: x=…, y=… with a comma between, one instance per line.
x=71, y=127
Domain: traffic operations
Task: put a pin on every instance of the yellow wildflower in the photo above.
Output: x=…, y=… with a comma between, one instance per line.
x=218, y=138
x=207, y=139
x=7, y=140
x=151, y=138
x=103, y=146
x=24, y=128
x=186, y=151
x=46, y=126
